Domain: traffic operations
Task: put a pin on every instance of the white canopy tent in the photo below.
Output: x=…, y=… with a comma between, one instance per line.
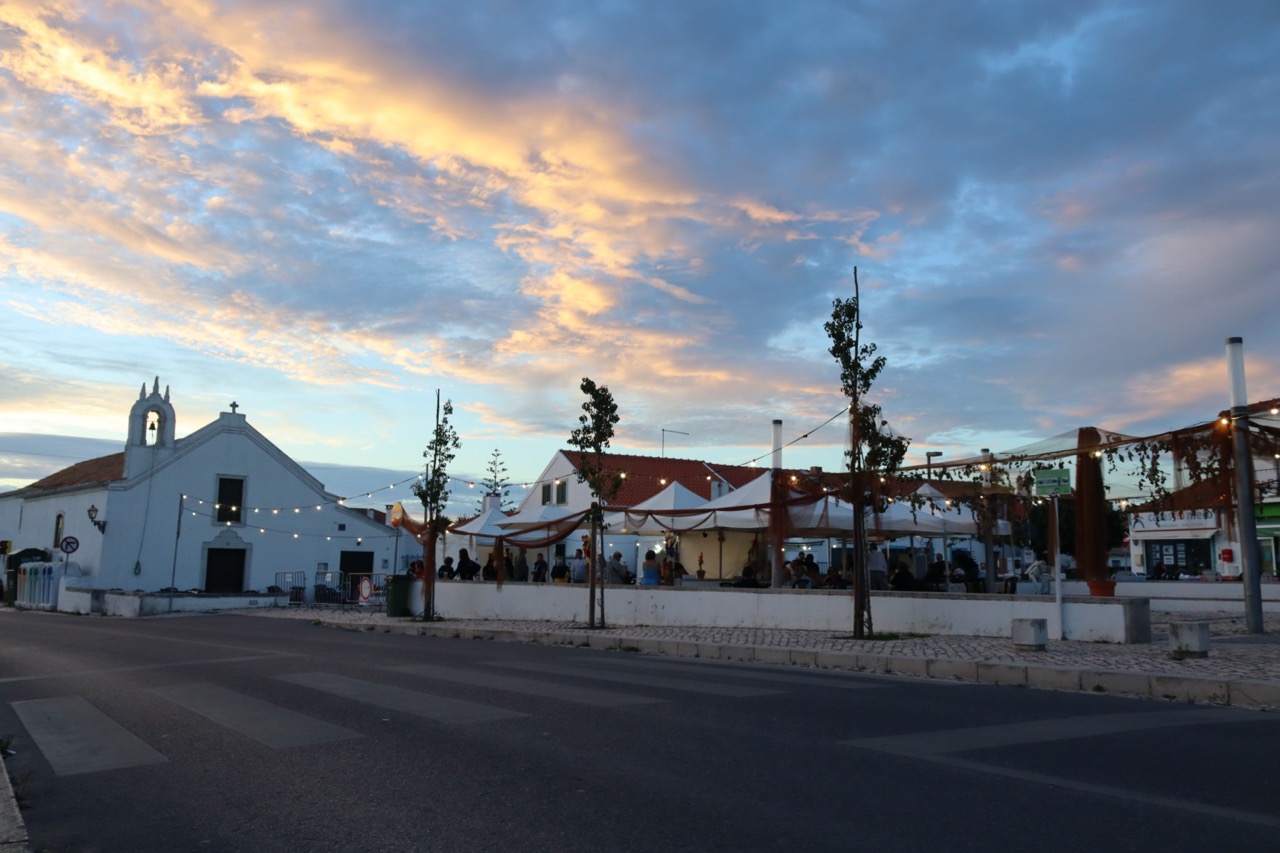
x=646, y=516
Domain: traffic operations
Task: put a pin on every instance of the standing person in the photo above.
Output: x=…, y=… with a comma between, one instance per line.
x=446, y=572
x=490, y=571
x=649, y=569
x=578, y=568
x=969, y=566
x=467, y=567
x=877, y=568
x=616, y=571
x=522, y=567
x=540, y=569
x=560, y=571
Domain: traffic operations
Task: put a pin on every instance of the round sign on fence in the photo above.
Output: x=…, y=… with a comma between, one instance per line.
x=366, y=589
x=69, y=544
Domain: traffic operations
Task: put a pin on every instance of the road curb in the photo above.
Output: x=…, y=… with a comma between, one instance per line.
x=13, y=832
x=1240, y=693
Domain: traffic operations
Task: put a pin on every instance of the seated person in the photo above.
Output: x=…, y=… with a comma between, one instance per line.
x=935, y=577
x=747, y=579
x=902, y=579
x=834, y=580
x=800, y=579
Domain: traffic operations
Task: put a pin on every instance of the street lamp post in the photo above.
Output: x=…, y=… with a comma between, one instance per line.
x=1246, y=523
x=664, y=438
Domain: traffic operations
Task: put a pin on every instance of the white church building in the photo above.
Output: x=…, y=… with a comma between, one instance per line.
x=222, y=510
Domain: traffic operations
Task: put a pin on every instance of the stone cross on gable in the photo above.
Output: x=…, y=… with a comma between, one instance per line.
x=234, y=406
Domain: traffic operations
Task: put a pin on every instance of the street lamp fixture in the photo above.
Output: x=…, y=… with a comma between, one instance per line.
x=929, y=456
x=93, y=516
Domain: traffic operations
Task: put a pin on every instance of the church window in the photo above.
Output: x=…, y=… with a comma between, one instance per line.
x=230, y=499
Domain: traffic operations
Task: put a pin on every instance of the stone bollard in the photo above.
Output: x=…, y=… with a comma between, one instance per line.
x=1188, y=640
x=1030, y=635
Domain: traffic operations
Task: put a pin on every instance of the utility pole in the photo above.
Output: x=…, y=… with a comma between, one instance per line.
x=1246, y=523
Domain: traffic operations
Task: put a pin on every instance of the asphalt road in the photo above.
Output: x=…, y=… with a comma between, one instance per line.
x=221, y=733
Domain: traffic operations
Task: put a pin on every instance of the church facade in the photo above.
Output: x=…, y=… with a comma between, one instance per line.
x=222, y=510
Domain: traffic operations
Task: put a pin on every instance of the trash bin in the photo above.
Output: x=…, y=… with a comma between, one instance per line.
x=398, y=594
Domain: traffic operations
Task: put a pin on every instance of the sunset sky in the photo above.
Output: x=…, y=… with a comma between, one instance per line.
x=325, y=211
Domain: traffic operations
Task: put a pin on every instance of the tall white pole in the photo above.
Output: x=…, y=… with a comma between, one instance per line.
x=1057, y=571
x=1246, y=523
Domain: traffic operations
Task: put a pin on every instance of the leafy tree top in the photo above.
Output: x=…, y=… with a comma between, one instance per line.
x=592, y=437
x=433, y=490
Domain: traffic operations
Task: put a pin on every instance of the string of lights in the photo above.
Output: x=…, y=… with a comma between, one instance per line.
x=211, y=511
x=1065, y=455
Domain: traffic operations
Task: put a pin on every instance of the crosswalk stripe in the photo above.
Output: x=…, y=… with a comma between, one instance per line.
x=740, y=671
x=75, y=737
x=927, y=744
x=528, y=686
x=270, y=725
x=639, y=679
x=438, y=708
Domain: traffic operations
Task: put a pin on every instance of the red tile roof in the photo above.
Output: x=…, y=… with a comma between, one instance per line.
x=648, y=475
x=104, y=469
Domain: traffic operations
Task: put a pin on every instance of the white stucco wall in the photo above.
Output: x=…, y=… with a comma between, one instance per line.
x=1086, y=619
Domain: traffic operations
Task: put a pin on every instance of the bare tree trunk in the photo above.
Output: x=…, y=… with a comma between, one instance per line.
x=429, y=576
x=861, y=580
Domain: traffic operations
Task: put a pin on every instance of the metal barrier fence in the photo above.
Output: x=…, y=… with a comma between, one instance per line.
x=290, y=589
x=352, y=590
x=328, y=590
x=368, y=589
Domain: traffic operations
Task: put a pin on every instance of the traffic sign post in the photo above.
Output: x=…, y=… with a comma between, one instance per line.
x=69, y=545
x=1052, y=482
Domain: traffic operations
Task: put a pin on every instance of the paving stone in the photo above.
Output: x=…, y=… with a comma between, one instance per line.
x=908, y=666
x=990, y=672
x=772, y=654
x=1255, y=694
x=1183, y=689
x=964, y=670
x=837, y=660
x=804, y=657
x=709, y=651
x=869, y=662
x=1123, y=683
x=605, y=643
x=1053, y=677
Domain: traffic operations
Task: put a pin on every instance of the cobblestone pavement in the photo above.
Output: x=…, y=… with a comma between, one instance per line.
x=1235, y=656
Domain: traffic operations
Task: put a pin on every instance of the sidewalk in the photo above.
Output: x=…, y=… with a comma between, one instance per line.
x=1241, y=670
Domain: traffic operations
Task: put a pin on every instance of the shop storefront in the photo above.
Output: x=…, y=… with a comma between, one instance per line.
x=1269, y=538
x=1169, y=543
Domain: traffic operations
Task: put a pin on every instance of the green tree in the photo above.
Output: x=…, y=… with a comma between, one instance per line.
x=495, y=482
x=875, y=452
x=433, y=491
x=591, y=439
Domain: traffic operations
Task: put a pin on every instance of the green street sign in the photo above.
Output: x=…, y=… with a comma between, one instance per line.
x=1054, y=481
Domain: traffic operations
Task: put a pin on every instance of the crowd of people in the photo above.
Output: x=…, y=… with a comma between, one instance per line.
x=800, y=572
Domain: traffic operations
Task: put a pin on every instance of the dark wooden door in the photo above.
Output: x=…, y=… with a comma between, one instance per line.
x=224, y=570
